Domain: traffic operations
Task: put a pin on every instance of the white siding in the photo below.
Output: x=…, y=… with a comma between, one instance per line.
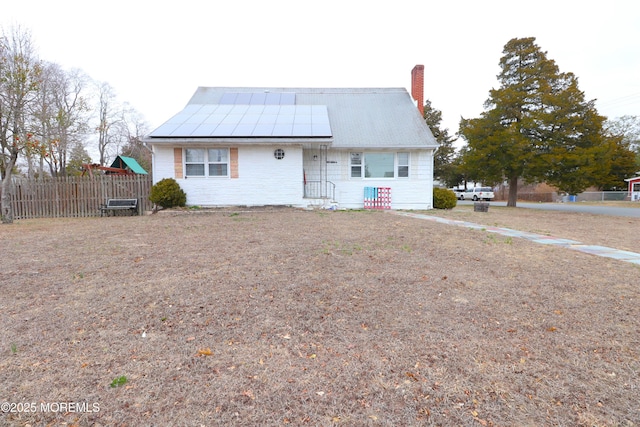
x=162, y=164
x=414, y=192
x=262, y=179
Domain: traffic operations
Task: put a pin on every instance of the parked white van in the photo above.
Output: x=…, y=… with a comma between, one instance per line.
x=457, y=192
x=477, y=193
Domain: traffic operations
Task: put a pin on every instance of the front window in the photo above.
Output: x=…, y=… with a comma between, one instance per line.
x=194, y=161
x=356, y=165
x=403, y=165
x=379, y=165
x=206, y=162
x=217, y=161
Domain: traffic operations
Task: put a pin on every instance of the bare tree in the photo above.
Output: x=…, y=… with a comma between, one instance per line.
x=110, y=123
x=135, y=128
x=20, y=72
x=61, y=115
x=627, y=127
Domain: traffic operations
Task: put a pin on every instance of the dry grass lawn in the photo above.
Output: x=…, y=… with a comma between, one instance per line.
x=279, y=316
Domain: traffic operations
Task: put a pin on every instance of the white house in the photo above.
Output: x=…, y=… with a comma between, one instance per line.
x=299, y=147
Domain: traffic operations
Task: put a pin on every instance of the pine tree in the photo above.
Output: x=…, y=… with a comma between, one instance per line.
x=78, y=156
x=537, y=126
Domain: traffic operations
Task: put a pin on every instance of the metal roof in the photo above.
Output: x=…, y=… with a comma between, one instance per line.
x=357, y=117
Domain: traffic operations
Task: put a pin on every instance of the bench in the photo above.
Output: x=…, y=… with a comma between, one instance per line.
x=114, y=205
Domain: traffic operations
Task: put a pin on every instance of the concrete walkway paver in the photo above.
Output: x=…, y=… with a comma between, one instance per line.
x=603, y=251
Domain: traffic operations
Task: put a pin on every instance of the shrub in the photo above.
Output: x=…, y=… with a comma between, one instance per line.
x=167, y=193
x=444, y=198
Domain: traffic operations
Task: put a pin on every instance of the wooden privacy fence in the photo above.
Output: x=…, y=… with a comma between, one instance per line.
x=76, y=196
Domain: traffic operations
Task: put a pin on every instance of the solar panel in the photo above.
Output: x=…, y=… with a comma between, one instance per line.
x=320, y=129
x=302, y=119
x=272, y=99
x=267, y=119
x=228, y=98
x=249, y=115
x=258, y=98
x=284, y=118
x=165, y=129
x=204, y=129
x=231, y=119
x=255, y=109
x=301, y=129
x=303, y=109
x=243, y=98
x=239, y=109
x=249, y=119
x=282, y=129
x=243, y=129
x=287, y=98
x=186, y=128
x=271, y=109
x=264, y=130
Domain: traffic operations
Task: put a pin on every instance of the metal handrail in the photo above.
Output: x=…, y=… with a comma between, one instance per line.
x=319, y=190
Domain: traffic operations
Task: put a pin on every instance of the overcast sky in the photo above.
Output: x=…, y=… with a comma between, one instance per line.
x=155, y=54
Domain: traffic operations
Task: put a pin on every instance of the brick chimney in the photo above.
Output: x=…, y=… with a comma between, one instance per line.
x=417, y=86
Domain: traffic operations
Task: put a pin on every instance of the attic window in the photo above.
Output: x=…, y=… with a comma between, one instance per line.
x=279, y=154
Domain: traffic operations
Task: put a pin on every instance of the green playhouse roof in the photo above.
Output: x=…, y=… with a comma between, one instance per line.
x=124, y=162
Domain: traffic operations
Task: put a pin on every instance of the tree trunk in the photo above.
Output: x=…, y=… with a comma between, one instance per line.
x=6, y=213
x=513, y=191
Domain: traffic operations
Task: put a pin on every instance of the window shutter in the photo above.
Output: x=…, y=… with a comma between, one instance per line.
x=233, y=159
x=177, y=163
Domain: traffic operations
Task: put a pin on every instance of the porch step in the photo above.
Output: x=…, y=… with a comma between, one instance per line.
x=324, y=203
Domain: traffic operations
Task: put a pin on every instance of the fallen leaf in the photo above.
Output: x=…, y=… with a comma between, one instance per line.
x=205, y=352
x=412, y=376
